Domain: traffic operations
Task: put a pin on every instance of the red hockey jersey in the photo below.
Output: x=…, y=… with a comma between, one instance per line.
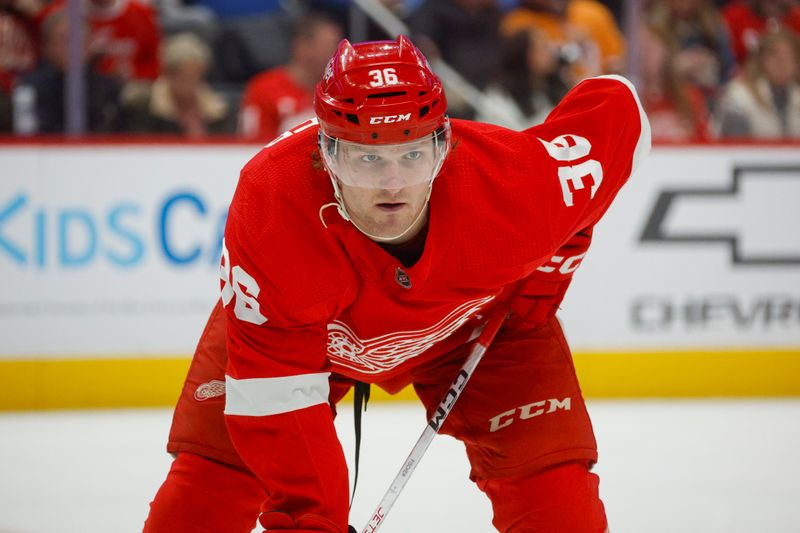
x=305, y=299
x=273, y=103
x=125, y=36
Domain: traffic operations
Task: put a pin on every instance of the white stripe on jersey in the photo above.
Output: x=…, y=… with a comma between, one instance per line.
x=645, y=141
x=273, y=396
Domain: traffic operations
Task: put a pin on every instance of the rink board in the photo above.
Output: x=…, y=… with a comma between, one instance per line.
x=109, y=253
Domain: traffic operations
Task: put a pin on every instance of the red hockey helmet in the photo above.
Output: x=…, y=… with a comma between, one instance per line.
x=379, y=92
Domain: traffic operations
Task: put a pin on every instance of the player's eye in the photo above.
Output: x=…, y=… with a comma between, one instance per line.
x=369, y=158
x=414, y=155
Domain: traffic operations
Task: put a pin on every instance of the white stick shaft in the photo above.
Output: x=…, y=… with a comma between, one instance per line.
x=436, y=421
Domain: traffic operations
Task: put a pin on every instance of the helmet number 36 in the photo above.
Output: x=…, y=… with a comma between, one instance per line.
x=382, y=77
x=237, y=282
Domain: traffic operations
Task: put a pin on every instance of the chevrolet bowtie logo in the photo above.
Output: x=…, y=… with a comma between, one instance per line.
x=757, y=217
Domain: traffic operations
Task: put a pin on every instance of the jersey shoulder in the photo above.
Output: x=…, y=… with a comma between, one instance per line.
x=602, y=115
x=512, y=191
x=274, y=232
x=488, y=188
x=605, y=109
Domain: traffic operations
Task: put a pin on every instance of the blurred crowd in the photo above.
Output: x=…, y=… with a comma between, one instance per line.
x=705, y=69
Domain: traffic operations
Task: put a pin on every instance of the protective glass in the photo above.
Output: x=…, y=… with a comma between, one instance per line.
x=386, y=166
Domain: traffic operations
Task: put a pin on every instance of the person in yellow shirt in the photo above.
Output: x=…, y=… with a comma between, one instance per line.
x=584, y=29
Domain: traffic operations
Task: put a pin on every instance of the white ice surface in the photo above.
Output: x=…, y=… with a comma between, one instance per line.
x=665, y=467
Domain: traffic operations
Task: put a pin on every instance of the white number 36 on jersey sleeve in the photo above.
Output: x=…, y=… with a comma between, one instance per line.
x=237, y=282
x=569, y=148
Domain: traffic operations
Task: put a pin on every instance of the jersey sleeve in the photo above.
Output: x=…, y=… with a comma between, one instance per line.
x=582, y=155
x=277, y=409
x=538, y=297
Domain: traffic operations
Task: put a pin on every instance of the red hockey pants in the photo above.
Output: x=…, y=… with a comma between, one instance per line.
x=203, y=496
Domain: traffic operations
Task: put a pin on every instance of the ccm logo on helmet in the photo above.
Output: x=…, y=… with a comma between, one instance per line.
x=528, y=411
x=389, y=119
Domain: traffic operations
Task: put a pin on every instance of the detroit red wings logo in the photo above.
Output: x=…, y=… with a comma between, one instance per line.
x=209, y=389
x=386, y=352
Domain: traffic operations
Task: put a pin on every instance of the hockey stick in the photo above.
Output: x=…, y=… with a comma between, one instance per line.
x=445, y=406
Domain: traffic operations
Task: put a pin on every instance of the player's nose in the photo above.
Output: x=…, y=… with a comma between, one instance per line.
x=392, y=178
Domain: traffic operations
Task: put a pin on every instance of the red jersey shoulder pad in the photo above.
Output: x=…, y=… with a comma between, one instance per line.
x=524, y=194
x=274, y=234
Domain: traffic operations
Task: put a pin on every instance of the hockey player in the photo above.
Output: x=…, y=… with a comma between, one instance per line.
x=372, y=246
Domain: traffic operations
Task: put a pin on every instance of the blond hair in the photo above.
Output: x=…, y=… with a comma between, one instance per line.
x=184, y=48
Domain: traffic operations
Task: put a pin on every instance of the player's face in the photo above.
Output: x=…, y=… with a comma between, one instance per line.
x=780, y=63
x=385, y=187
x=387, y=212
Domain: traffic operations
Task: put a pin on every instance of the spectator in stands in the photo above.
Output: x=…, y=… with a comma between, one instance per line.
x=465, y=33
x=39, y=96
x=764, y=101
x=280, y=98
x=748, y=20
x=696, y=29
x=179, y=101
x=18, y=49
x=676, y=108
x=584, y=29
x=124, y=38
x=529, y=82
